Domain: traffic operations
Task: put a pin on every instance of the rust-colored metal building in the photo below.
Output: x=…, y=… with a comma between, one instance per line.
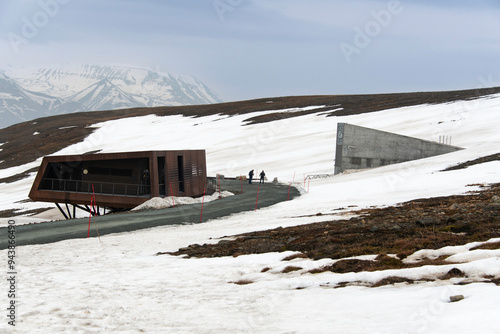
x=119, y=180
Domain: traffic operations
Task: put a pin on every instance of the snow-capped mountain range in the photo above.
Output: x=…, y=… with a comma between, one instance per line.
x=30, y=93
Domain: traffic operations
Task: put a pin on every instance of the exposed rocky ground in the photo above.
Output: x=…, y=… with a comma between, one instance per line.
x=401, y=230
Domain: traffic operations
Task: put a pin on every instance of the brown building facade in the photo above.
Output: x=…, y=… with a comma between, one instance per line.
x=120, y=180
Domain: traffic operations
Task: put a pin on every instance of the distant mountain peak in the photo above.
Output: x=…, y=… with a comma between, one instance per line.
x=90, y=87
x=104, y=95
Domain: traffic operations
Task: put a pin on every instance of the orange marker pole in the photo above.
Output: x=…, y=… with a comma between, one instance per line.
x=218, y=181
x=93, y=196
x=90, y=218
x=172, y=193
x=202, y=201
x=257, y=200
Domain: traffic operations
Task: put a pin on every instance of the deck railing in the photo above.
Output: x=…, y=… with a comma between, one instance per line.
x=102, y=188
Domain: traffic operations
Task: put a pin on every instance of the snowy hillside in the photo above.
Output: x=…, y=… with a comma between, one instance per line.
x=73, y=88
x=117, y=284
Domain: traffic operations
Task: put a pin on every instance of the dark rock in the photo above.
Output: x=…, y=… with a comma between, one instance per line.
x=454, y=272
x=424, y=221
x=456, y=298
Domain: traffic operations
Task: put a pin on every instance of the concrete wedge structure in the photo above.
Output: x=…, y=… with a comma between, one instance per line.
x=360, y=147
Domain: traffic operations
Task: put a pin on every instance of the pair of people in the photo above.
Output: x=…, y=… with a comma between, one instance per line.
x=250, y=176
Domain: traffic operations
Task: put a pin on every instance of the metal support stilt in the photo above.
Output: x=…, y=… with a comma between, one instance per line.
x=69, y=212
x=62, y=211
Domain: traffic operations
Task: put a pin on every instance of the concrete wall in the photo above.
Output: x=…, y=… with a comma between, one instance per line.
x=359, y=147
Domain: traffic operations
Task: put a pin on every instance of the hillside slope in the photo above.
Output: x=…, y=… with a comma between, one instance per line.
x=56, y=132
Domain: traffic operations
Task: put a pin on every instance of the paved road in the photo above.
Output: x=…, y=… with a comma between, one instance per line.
x=49, y=232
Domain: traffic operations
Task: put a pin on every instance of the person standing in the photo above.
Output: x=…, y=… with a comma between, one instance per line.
x=262, y=176
x=250, y=176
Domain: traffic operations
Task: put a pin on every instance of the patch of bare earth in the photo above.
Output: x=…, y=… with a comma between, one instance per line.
x=430, y=223
x=489, y=158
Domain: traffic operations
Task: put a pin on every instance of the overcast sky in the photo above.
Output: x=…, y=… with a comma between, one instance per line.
x=246, y=49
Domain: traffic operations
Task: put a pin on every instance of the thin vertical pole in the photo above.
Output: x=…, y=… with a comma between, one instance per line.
x=290, y=186
x=202, y=201
x=241, y=181
x=257, y=200
x=172, y=194
x=98, y=213
x=93, y=197
x=218, y=181
x=90, y=218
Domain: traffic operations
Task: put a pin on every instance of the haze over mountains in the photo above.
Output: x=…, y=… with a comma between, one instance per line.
x=31, y=93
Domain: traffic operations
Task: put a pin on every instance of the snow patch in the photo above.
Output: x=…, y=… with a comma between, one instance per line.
x=449, y=251
x=156, y=203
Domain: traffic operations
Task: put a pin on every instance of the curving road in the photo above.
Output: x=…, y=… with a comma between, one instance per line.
x=48, y=232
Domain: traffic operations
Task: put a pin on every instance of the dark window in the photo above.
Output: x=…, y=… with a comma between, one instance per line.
x=356, y=161
x=110, y=171
x=180, y=172
x=161, y=176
